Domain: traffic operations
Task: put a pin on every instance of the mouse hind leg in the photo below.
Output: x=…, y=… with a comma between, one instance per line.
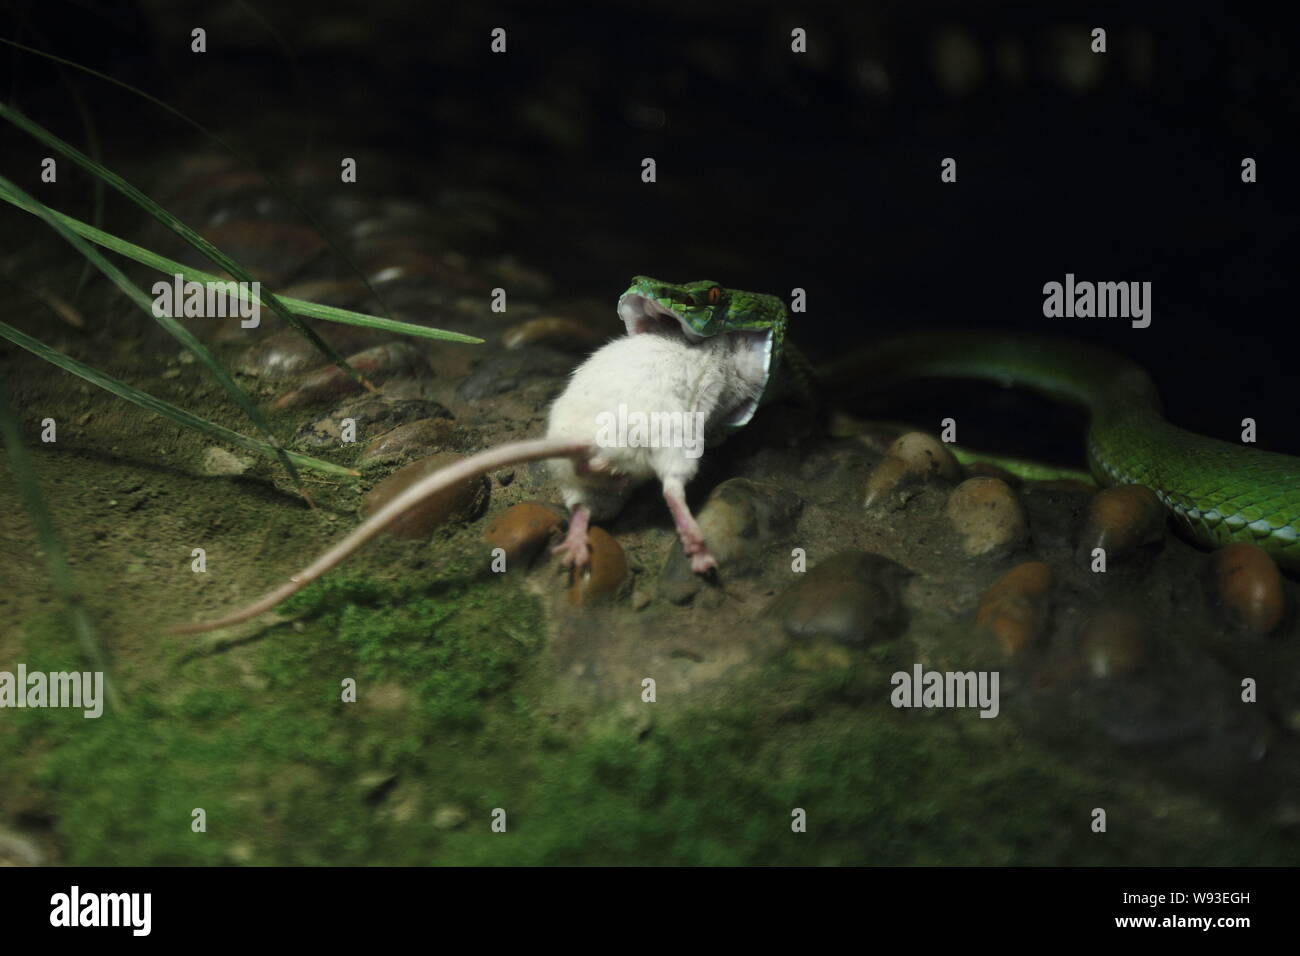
x=598, y=497
x=688, y=529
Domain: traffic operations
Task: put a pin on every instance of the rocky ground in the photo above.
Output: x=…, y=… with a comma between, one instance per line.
x=847, y=554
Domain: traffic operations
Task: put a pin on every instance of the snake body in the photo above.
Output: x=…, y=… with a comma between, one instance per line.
x=1218, y=491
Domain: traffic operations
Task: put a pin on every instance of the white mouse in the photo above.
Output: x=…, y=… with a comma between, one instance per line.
x=597, y=433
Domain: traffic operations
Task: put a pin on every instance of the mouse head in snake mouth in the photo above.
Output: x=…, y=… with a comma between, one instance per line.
x=703, y=309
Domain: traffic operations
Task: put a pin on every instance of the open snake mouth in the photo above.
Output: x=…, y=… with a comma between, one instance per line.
x=642, y=314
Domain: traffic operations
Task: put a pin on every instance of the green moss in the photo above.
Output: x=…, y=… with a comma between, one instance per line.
x=459, y=713
x=123, y=787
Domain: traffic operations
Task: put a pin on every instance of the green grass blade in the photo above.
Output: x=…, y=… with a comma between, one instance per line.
x=178, y=331
x=171, y=222
x=194, y=124
x=312, y=310
x=145, y=400
x=29, y=490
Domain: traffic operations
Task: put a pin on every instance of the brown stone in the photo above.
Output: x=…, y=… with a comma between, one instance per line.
x=987, y=516
x=887, y=475
x=1113, y=643
x=423, y=436
x=1250, y=587
x=521, y=530
x=926, y=456
x=1122, y=519
x=459, y=503
x=1015, y=609
x=603, y=577
x=554, y=331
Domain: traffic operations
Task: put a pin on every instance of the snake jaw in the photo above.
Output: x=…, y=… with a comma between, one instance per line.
x=641, y=314
x=755, y=360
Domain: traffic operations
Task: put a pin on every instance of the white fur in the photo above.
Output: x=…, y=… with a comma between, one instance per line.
x=650, y=372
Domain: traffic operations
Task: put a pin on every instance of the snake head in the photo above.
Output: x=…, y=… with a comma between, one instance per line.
x=703, y=309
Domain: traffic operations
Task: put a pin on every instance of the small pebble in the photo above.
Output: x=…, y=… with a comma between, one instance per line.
x=912, y=457
x=288, y=352
x=375, y=785
x=459, y=503
x=17, y=849
x=888, y=474
x=852, y=598
x=1123, y=519
x=408, y=260
x=925, y=456
x=374, y=415
x=449, y=817
x=555, y=331
x=522, y=279
x=386, y=226
x=395, y=261
x=521, y=530
x=1015, y=609
x=221, y=463
x=375, y=363
x=241, y=853
x=1113, y=643
x=987, y=516
x=1250, y=587
x=270, y=251
x=604, y=575
x=412, y=440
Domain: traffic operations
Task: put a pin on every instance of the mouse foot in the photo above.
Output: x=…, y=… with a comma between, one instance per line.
x=573, y=554
x=573, y=550
x=702, y=562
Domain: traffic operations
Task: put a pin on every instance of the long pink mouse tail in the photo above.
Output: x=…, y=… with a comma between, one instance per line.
x=511, y=453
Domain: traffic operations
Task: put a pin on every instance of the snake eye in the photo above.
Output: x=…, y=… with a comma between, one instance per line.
x=714, y=295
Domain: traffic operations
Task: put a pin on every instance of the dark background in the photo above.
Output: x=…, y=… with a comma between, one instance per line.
x=778, y=170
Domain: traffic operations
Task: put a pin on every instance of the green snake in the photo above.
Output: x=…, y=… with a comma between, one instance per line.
x=1218, y=491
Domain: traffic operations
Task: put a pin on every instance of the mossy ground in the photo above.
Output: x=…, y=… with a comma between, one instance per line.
x=456, y=716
